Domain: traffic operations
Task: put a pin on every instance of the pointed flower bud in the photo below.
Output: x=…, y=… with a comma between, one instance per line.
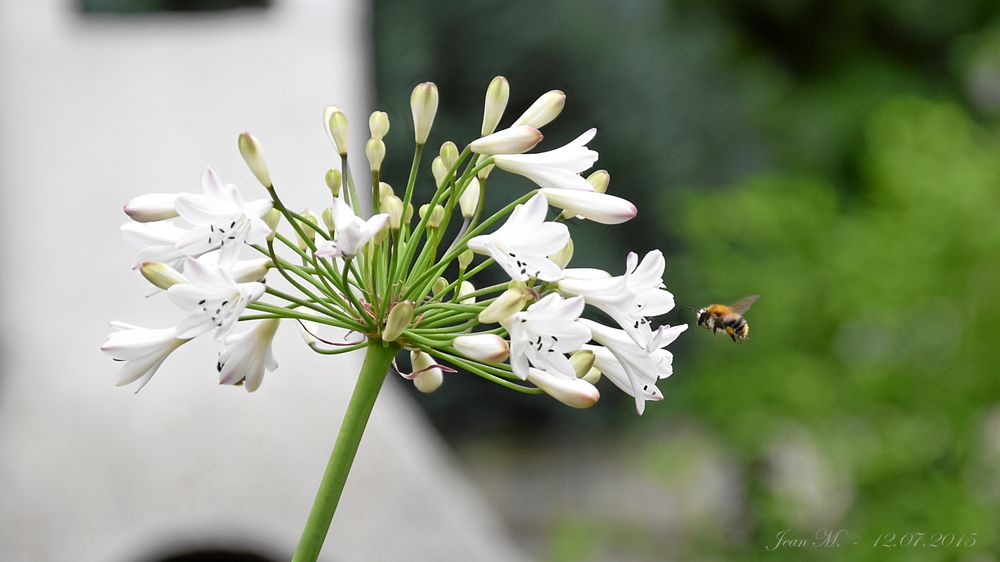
x=384, y=190
x=449, y=154
x=306, y=329
x=506, y=305
x=151, y=207
x=439, y=286
x=375, y=151
x=598, y=207
x=514, y=140
x=336, y=128
x=582, y=361
x=575, y=393
x=378, y=124
x=562, y=257
x=423, y=105
x=428, y=379
x=544, y=110
x=161, y=275
x=464, y=289
x=489, y=348
x=246, y=271
x=600, y=180
x=437, y=215
x=271, y=219
x=328, y=219
x=439, y=170
x=496, y=101
x=469, y=200
x=310, y=234
x=393, y=207
x=399, y=318
x=334, y=180
x=254, y=157
x=485, y=173
x=465, y=258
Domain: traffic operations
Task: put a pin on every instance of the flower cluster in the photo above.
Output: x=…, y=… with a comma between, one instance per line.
x=389, y=274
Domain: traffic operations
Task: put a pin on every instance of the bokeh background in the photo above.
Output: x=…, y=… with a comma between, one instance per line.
x=839, y=158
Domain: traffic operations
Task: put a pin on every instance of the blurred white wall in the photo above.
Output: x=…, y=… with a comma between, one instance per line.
x=95, y=110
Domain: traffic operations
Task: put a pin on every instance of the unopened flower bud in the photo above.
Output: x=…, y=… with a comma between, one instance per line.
x=423, y=105
x=469, y=201
x=375, y=151
x=310, y=233
x=437, y=215
x=496, y=101
x=489, y=348
x=439, y=286
x=334, y=180
x=408, y=213
x=562, y=257
x=506, y=305
x=544, y=110
x=399, y=319
x=582, y=361
x=254, y=157
x=449, y=154
x=485, y=173
x=151, y=207
x=598, y=207
x=307, y=329
x=593, y=376
x=378, y=124
x=336, y=127
x=514, y=140
x=161, y=275
x=575, y=393
x=465, y=258
x=428, y=378
x=245, y=271
x=384, y=190
x=439, y=170
x=271, y=219
x=464, y=289
x=328, y=219
x=600, y=180
x=393, y=207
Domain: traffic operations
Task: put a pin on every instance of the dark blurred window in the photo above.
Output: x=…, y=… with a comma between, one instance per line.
x=148, y=6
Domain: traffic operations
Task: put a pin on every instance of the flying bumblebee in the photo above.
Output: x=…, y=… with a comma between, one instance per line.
x=728, y=319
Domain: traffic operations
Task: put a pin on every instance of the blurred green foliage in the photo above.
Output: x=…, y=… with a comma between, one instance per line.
x=841, y=159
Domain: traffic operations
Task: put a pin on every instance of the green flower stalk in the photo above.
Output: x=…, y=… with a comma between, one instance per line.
x=400, y=285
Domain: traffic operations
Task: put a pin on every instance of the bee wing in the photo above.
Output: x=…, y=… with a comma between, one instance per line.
x=743, y=305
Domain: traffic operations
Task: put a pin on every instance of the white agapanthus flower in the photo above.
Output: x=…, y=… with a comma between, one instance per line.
x=351, y=232
x=636, y=366
x=157, y=241
x=248, y=355
x=142, y=349
x=629, y=299
x=405, y=280
x=522, y=245
x=213, y=299
x=557, y=169
x=220, y=218
x=544, y=333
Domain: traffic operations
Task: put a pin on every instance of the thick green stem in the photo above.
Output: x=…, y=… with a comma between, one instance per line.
x=373, y=371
